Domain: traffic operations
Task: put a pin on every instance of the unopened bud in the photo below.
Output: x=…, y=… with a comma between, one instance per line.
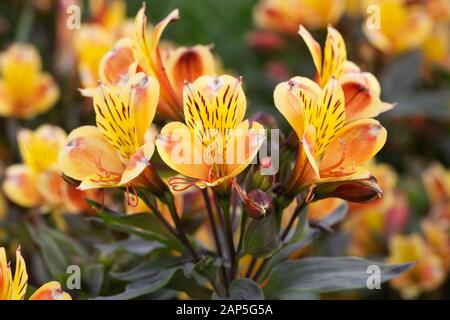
x=258, y=204
x=363, y=190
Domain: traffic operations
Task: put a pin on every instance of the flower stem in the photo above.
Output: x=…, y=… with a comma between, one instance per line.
x=215, y=235
x=182, y=235
x=283, y=236
x=223, y=208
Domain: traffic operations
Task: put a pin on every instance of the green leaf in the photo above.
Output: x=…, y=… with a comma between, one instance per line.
x=132, y=245
x=245, y=289
x=302, y=229
x=68, y=244
x=54, y=258
x=325, y=274
x=144, y=286
x=93, y=275
x=261, y=238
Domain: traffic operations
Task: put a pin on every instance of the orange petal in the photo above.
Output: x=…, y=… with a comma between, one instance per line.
x=115, y=64
x=357, y=142
x=47, y=93
x=362, y=96
x=313, y=46
x=138, y=162
x=5, y=101
x=308, y=142
x=50, y=291
x=181, y=151
x=20, y=186
x=187, y=64
x=87, y=153
x=20, y=277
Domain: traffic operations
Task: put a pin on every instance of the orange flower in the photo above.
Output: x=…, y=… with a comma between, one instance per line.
x=331, y=147
x=361, y=89
x=428, y=273
x=142, y=53
x=286, y=15
x=215, y=144
x=14, y=288
x=436, y=180
x=403, y=26
x=115, y=152
x=37, y=182
x=25, y=90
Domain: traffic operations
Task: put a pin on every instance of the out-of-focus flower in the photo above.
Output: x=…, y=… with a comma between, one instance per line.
x=286, y=15
x=215, y=144
x=371, y=224
x=438, y=237
x=95, y=38
x=331, y=147
x=25, y=90
x=319, y=210
x=436, y=180
x=37, y=182
x=15, y=287
x=142, y=53
x=404, y=25
x=114, y=153
x=436, y=47
x=361, y=89
x=428, y=273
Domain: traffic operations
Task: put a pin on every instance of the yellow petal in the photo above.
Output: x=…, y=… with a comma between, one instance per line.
x=5, y=101
x=182, y=151
x=313, y=46
x=355, y=144
x=335, y=56
x=243, y=146
x=145, y=103
x=50, y=291
x=20, y=186
x=328, y=116
x=20, y=277
x=214, y=103
x=291, y=99
x=6, y=281
x=309, y=145
x=87, y=153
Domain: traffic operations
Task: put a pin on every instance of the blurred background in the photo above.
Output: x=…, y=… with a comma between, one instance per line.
x=253, y=39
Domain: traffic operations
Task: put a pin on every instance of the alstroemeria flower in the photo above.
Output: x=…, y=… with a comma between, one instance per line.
x=287, y=15
x=427, y=274
x=331, y=148
x=436, y=180
x=25, y=90
x=36, y=182
x=403, y=26
x=142, y=53
x=113, y=153
x=215, y=144
x=361, y=89
x=14, y=288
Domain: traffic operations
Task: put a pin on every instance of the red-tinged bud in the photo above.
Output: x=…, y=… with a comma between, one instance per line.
x=258, y=204
x=363, y=190
x=259, y=179
x=265, y=41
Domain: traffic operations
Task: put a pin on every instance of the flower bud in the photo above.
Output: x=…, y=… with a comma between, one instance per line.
x=363, y=190
x=258, y=204
x=260, y=180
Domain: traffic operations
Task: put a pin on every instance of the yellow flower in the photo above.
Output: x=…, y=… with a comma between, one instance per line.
x=37, y=182
x=361, y=89
x=142, y=53
x=108, y=13
x=436, y=47
x=25, y=90
x=114, y=153
x=403, y=26
x=215, y=144
x=14, y=288
x=286, y=15
x=437, y=235
x=428, y=273
x=331, y=147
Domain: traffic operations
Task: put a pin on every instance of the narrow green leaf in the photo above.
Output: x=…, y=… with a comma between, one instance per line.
x=261, y=238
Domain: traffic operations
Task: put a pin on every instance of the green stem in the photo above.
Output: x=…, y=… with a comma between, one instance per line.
x=176, y=219
x=223, y=208
x=25, y=22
